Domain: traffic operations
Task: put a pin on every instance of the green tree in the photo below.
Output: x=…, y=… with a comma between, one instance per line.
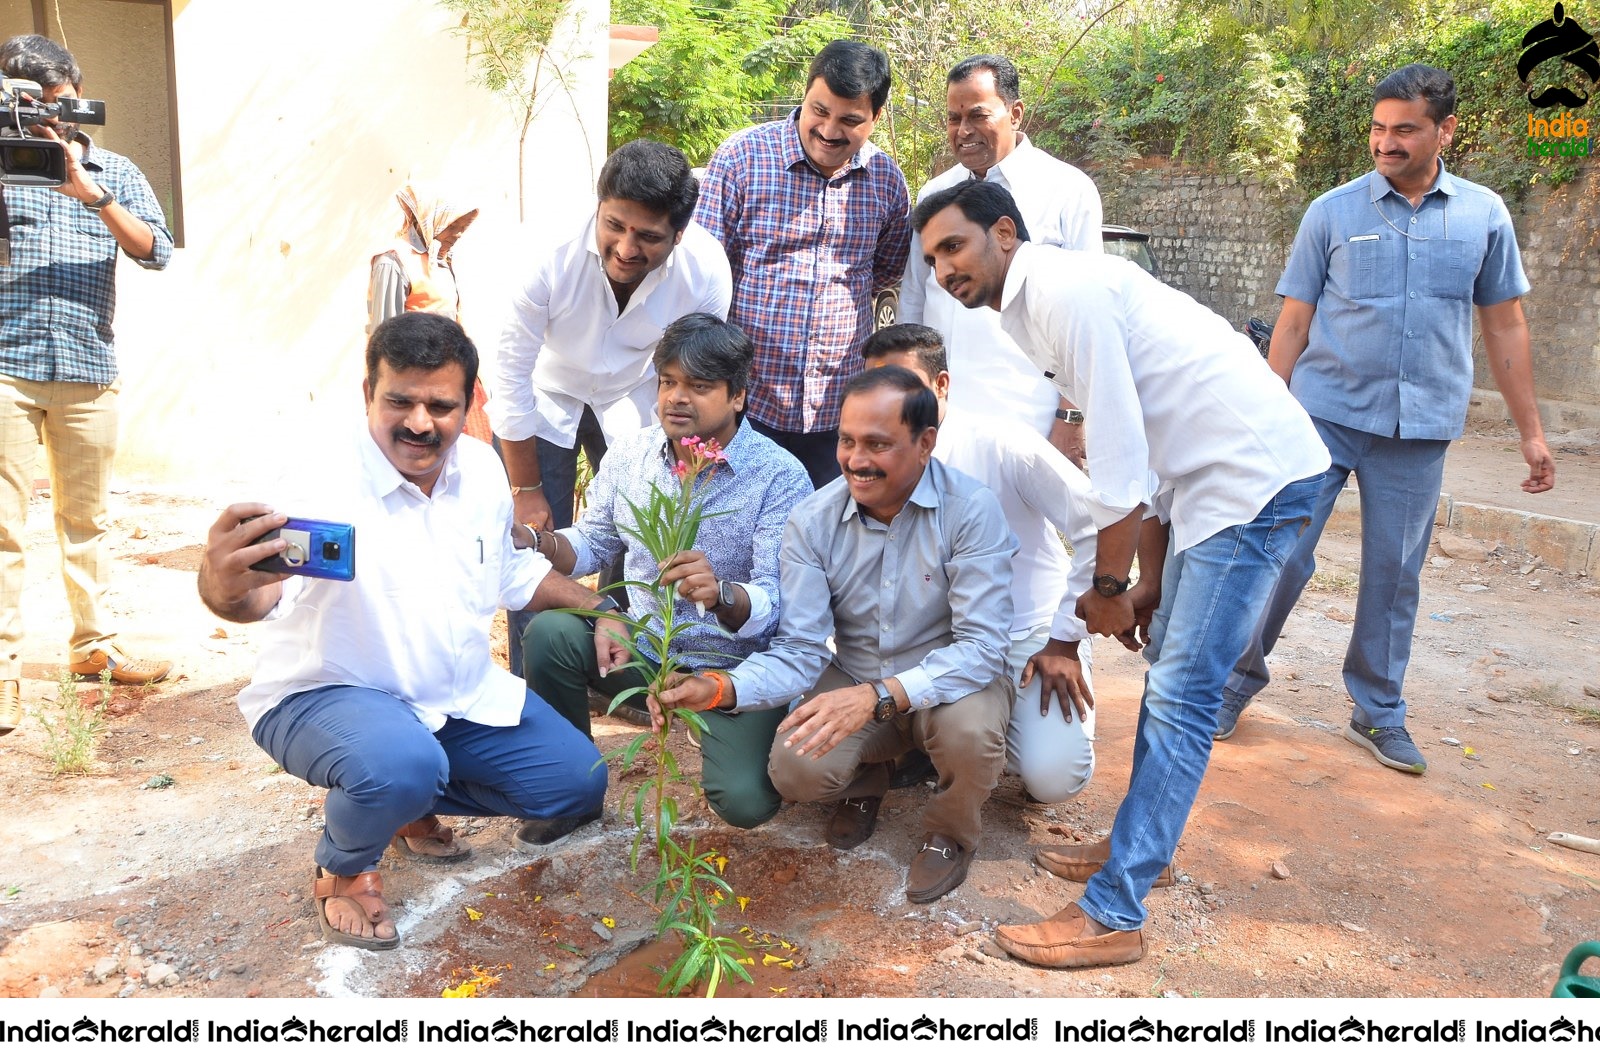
x=720, y=66
x=509, y=43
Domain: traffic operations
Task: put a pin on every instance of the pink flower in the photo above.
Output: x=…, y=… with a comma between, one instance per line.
x=681, y=470
x=691, y=441
x=1160, y=78
x=709, y=451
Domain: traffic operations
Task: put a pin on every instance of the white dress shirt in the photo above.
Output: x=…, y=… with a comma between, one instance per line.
x=566, y=346
x=992, y=377
x=1168, y=389
x=431, y=571
x=1040, y=492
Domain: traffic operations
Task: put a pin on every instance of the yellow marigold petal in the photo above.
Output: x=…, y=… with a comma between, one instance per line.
x=473, y=914
x=608, y=922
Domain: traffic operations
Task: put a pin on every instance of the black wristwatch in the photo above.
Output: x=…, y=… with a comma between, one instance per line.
x=886, y=708
x=1072, y=416
x=607, y=605
x=1107, y=585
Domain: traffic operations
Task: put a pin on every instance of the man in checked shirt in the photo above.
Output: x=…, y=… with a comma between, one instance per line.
x=58, y=370
x=814, y=220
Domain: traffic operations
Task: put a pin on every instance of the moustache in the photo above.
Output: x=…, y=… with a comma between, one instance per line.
x=403, y=435
x=1558, y=96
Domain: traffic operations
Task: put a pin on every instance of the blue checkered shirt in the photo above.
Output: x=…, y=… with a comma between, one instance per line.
x=808, y=252
x=58, y=294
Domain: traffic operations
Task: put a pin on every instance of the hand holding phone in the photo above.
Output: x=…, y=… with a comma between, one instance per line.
x=313, y=548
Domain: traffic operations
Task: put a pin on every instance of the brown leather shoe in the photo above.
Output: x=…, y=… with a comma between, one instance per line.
x=10, y=705
x=938, y=869
x=853, y=822
x=1080, y=861
x=1065, y=941
x=124, y=670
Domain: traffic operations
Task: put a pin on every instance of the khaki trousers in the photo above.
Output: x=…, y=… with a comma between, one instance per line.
x=77, y=422
x=966, y=741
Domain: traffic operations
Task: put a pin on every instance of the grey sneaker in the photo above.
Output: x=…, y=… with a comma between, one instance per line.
x=1392, y=746
x=1233, y=705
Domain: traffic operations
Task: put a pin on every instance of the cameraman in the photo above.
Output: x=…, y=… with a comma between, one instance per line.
x=58, y=371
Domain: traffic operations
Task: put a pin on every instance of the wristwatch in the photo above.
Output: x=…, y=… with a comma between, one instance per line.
x=1072, y=416
x=105, y=199
x=1107, y=585
x=726, y=597
x=886, y=708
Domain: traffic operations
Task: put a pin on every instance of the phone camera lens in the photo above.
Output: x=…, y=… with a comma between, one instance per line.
x=330, y=550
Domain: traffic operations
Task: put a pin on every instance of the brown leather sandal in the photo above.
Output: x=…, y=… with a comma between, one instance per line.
x=439, y=842
x=366, y=890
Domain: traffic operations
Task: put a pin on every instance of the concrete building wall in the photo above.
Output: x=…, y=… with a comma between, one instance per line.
x=1219, y=240
x=297, y=121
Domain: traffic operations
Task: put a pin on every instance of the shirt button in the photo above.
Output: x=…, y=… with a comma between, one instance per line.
x=886, y=628
x=1413, y=257
x=1412, y=294
x=888, y=584
x=1413, y=220
x=927, y=701
x=1411, y=334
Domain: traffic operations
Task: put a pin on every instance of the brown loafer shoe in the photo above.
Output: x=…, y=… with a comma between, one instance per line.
x=124, y=671
x=1080, y=861
x=1065, y=941
x=10, y=705
x=938, y=869
x=853, y=822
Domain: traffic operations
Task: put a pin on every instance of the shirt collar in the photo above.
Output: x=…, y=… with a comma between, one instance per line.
x=926, y=495
x=1379, y=186
x=382, y=478
x=1004, y=171
x=794, y=154
x=88, y=149
x=1017, y=274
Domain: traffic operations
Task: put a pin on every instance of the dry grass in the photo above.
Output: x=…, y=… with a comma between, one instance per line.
x=1549, y=695
x=1336, y=582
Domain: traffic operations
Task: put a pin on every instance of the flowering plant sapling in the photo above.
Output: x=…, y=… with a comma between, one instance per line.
x=689, y=886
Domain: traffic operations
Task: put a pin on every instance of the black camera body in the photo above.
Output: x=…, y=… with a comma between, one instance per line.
x=28, y=161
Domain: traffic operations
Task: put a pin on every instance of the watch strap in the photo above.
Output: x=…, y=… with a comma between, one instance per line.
x=105, y=199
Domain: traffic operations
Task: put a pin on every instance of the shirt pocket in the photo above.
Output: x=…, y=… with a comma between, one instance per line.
x=1452, y=266
x=1360, y=268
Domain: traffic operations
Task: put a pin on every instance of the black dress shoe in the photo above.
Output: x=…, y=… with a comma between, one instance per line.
x=911, y=769
x=536, y=835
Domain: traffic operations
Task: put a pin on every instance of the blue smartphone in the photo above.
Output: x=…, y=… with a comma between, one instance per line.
x=315, y=548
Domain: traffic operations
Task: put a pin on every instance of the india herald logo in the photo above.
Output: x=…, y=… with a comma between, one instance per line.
x=1558, y=38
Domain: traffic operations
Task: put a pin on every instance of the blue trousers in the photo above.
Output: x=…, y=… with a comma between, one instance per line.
x=1399, y=481
x=383, y=769
x=558, y=473
x=1211, y=596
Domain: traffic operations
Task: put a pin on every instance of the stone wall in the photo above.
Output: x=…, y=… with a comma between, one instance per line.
x=1219, y=239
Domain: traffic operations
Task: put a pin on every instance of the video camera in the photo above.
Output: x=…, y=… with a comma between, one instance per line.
x=30, y=161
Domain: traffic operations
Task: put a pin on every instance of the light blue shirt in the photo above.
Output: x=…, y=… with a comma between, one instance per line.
x=926, y=598
x=1390, y=348
x=746, y=501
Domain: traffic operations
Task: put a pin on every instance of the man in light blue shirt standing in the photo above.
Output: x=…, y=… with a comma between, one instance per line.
x=905, y=565
x=1375, y=341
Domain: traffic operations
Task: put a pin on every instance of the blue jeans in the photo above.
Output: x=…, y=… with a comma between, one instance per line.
x=1211, y=596
x=1399, y=480
x=558, y=473
x=383, y=769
